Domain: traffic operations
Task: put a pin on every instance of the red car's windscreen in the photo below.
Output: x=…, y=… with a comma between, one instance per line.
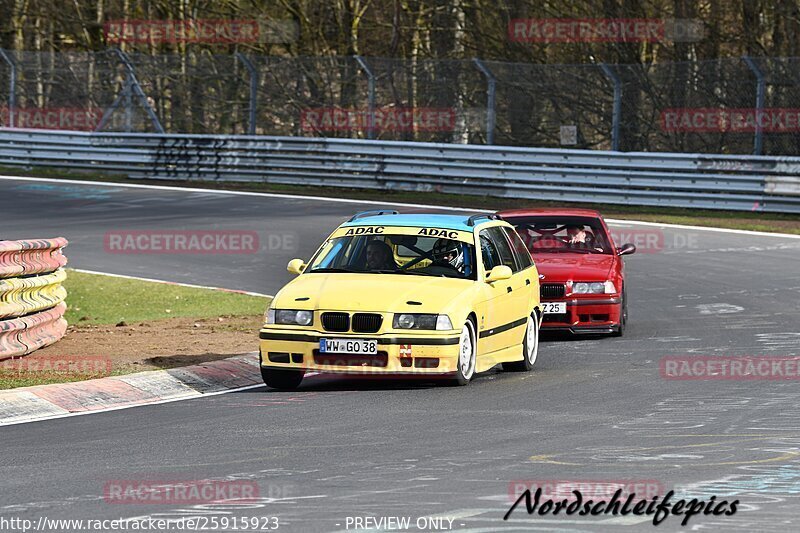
x=563, y=234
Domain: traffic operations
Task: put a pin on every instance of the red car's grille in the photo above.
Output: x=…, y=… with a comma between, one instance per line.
x=551, y=290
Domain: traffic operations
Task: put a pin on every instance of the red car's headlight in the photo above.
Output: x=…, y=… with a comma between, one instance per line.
x=594, y=287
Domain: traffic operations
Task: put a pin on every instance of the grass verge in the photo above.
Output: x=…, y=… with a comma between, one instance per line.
x=94, y=299
x=119, y=326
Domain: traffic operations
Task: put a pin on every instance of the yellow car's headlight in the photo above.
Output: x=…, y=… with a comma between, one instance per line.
x=421, y=321
x=289, y=317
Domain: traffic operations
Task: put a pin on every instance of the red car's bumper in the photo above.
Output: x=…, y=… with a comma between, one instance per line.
x=586, y=315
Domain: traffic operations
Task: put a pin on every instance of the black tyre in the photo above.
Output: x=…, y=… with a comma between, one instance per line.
x=623, y=317
x=530, y=348
x=276, y=378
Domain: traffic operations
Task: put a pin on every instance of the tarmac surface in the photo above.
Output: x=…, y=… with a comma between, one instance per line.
x=595, y=411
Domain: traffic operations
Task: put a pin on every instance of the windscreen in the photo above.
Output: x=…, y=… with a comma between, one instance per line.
x=396, y=254
x=563, y=234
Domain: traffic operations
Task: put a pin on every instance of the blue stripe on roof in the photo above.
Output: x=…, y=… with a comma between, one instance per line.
x=456, y=222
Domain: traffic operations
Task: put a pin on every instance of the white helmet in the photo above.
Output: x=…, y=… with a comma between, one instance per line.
x=450, y=251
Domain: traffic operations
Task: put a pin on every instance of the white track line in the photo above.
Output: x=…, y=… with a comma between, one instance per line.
x=374, y=202
x=704, y=228
x=172, y=283
x=236, y=193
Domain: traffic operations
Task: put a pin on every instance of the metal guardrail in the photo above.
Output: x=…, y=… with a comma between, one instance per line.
x=746, y=183
x=32, y=301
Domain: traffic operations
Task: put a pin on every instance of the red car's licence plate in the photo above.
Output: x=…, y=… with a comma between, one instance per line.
x=554, y=308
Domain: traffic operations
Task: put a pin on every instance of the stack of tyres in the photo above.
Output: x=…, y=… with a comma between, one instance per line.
x=31, y=295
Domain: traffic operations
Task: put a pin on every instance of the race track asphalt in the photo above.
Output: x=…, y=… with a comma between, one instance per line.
x=594, y=410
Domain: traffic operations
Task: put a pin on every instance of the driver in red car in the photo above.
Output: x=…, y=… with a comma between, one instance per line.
x=579, y=237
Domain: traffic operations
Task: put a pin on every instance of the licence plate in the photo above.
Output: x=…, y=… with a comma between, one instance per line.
x=354, y=346
x=554, y=308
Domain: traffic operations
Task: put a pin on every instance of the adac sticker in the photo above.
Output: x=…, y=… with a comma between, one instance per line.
x=365, y=230
x=405, y=350
x=434, y=232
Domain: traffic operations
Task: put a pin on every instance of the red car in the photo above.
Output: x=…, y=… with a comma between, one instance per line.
x=582, y=279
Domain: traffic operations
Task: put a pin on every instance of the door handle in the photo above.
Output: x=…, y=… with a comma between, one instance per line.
x=509, y=289
x=527, y=282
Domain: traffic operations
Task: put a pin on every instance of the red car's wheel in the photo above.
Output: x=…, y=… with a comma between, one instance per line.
x=623, y=316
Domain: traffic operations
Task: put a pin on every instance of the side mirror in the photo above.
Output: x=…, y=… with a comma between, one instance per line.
x=498, y=273
x=296, y=266
x=626, y=249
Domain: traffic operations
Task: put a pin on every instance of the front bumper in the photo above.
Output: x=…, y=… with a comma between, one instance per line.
x=406, y=353
x=586, y=316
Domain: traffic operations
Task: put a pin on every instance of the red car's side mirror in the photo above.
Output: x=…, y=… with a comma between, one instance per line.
x=626, y=249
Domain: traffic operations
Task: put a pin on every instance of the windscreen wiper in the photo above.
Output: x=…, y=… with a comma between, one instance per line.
x=400, y=271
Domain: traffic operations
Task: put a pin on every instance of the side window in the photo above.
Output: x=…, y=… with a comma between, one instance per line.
x=523, y=255
x=498, y=236
x=491, y=258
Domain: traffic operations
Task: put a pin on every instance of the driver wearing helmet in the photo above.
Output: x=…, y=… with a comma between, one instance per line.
x=449, y=252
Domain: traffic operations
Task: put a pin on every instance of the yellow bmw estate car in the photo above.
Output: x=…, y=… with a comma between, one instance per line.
x=400, y=294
